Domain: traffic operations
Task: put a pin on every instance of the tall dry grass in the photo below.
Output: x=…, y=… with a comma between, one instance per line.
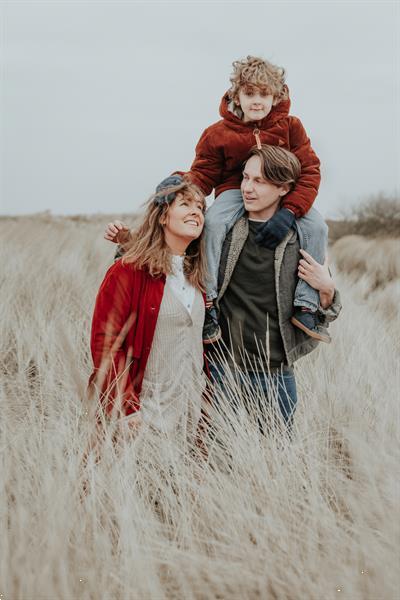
x=311, y=518
x=373, y=269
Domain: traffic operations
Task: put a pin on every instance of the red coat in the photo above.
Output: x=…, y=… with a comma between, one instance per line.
x=124, y=320
x=224, y=146
x=123, y=325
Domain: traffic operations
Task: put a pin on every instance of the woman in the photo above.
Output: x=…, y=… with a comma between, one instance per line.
x=146, y=338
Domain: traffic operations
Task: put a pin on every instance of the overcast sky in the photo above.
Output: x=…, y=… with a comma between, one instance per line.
x=101, y=100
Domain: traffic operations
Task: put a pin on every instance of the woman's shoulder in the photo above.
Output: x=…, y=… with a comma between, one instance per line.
x=119, y=267
x=123, y=272
x=128, y=271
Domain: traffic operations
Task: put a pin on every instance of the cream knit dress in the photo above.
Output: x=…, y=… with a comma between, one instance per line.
x=174, y=381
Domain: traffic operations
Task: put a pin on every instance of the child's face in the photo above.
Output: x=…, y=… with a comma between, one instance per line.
x=255, y=102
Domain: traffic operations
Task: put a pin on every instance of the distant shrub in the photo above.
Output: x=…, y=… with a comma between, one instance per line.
x=376, y=259
x=377, y=216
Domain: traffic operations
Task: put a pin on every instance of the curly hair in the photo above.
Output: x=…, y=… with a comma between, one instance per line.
x=254, y=71
x=147, y=248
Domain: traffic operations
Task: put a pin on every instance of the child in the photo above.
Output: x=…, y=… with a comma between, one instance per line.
x=255, y=110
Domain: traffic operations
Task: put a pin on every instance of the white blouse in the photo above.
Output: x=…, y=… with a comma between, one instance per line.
x=179, y=284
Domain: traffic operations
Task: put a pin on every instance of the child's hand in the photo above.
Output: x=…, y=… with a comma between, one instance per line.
x=117, y=232
x=271, y=233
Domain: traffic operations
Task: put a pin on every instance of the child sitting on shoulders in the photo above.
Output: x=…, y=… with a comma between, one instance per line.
x=255, y=111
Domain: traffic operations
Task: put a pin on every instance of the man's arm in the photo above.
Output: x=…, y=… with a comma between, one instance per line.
x=118, y=233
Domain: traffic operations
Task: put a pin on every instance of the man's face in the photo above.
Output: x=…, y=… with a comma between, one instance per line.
x=261, y=197
x=255, y=102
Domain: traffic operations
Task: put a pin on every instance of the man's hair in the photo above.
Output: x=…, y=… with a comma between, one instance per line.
x=279, y=166
x=147, y=247
x=254, y=71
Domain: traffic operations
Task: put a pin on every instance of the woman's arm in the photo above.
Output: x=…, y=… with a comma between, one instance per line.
x=112, y=319
x=318, y=277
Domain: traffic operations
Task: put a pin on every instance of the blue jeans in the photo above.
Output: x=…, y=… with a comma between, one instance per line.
x=223, y=214
x=279, y=384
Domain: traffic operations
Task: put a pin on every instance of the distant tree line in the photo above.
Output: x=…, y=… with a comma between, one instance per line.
x=377, y=216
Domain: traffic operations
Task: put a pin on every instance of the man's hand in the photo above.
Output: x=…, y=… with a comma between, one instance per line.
x=117, y=232
x=274, y=230
x=318, y=277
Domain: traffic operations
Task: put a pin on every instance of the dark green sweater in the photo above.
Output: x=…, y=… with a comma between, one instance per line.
x=248, y=309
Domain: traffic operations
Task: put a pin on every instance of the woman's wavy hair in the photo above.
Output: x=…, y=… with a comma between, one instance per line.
x=147, y=248
x=254, y=71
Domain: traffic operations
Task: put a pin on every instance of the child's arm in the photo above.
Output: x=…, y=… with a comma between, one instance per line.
x=206, y=169
x=302, y=197
x=298, y=202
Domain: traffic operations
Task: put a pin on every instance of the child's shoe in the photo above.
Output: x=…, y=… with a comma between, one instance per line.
x=308, y=321
x=211, y=329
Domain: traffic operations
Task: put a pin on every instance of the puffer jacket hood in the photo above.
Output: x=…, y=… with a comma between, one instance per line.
x=232, y=114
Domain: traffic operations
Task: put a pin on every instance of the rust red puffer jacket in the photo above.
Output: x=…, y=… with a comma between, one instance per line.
x=224, y=146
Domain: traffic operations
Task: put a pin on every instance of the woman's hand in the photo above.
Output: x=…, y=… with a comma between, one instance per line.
x=117, y=232
x=318, y=277
x=129, y=426
x=135, y=423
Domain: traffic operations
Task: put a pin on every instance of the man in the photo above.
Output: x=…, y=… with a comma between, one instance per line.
x=256, y=289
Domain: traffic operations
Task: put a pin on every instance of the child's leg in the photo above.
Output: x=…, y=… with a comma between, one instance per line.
x=220, y=218
x=313, y=236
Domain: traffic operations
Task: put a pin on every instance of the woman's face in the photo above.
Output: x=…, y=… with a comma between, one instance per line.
x=185, y=218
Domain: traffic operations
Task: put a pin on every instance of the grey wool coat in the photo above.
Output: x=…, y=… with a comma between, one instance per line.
x=296, y=343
